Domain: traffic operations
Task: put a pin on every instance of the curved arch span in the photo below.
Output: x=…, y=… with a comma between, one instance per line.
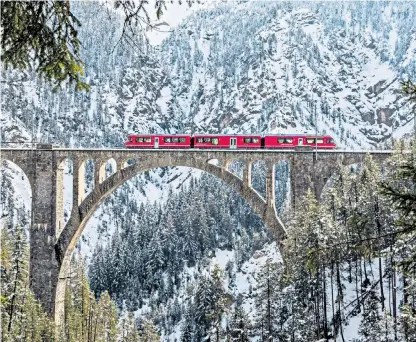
x=80, y=215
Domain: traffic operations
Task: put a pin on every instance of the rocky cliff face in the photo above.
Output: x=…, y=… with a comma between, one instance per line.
x=271, y=68
x=240, y=67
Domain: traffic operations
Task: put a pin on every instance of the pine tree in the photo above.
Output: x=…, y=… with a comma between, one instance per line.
x=106, y=329
x=204, y=304
x=187, y=327
x=22, y=316
x=219, y=302
x=267, y=286
x=129, y=332
x=370, y=329
x=149, y=332
x=15, y=290
x=240, y=325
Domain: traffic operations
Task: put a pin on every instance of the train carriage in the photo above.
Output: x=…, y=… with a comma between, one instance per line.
x=158, y=141
x=227, y=141
x=291, y=141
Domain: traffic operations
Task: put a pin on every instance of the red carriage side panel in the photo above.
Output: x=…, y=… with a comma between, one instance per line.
x=211, y=141
x=139, y=141
x=158, y=141
x=292, y=141
x=227, y=141
x=249, y=142
x=173, y=141
x=280, y=141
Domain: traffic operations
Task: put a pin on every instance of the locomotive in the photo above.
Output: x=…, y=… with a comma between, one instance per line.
x=232, y=141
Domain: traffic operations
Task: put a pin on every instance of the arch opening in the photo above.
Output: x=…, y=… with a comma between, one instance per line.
x=258, y=177
x=282, y=186
x=254, y=201
x=107, y=169
x=236, y=167
x=128, y=162
x=86, y=180
x=64, y=193
x=15, y=198
x=214, y=162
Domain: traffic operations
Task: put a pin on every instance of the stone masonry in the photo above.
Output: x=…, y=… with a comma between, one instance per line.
x=52, y=243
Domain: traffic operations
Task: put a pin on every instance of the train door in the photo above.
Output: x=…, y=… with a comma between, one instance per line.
x=300, y=141
x=156, y=142
x=233, y=143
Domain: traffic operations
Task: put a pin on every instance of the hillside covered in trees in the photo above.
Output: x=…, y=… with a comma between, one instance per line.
x=175, y=255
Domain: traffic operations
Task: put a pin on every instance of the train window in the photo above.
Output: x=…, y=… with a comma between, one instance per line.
x=310, y=140
x=147, y=140
x=280, y=140
x=331, y=141
x=207, y=140
x=175, y=140
x=255, y=140
x=320, y=140
x=247, y=140
x=214, y=141
x=130, y=139
x=167, y=140
x=139, y=139
x=182, y=140
x=288, y=140
x=200, y=140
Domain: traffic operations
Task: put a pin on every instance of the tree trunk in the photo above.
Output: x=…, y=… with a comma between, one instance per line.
x=340, y=300
x=332, y=298
x=324, y=306
x=380, y=269
x=11, y=311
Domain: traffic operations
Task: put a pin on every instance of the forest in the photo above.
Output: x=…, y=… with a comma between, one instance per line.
x=347, y=270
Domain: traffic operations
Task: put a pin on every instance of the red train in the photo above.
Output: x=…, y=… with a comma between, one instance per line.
x=204, y=141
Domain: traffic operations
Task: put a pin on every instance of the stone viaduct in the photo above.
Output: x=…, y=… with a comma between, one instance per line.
x=52, y=242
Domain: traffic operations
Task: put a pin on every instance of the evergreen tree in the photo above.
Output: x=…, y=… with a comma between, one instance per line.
x=267, y=286
x=129, y=332
x=148, y=332
x=22, y=316
x=187, y=328
x=240, y=325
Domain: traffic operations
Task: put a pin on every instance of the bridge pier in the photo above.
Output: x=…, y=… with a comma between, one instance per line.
x=43, y=266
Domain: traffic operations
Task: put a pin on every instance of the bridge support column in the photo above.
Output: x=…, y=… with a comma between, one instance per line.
x=59, y=199
x=97, y=165
x=247, y=174
x=43, y=268
x=309, y=171
x=270, y=185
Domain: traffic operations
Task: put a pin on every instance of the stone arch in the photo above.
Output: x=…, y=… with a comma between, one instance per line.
x=73, y=230
x=107, y=169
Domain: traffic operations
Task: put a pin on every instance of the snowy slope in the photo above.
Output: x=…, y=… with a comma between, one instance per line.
x=240, y=67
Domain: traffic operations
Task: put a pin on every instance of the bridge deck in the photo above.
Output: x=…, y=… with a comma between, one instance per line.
x=201, y=150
